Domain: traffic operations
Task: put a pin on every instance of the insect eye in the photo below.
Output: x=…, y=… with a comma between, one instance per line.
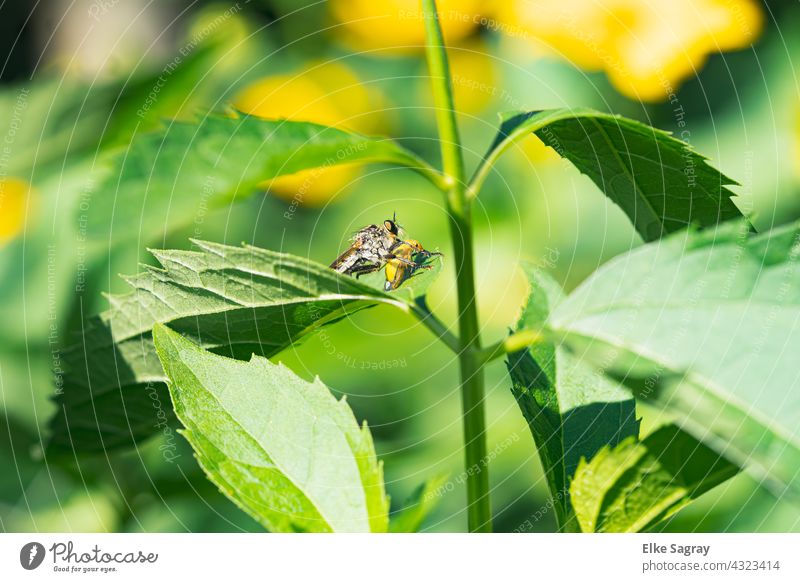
x=390, y=226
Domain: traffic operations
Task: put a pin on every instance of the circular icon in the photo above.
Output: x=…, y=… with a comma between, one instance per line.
x=31, y=555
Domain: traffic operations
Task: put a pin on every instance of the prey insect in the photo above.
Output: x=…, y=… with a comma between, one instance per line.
x=402, y=266
x=370, y=249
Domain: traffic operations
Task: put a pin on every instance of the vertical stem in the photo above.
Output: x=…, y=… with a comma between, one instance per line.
x=471, y=367
x=479, y=511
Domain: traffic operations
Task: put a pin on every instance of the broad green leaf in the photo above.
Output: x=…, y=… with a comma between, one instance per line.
x=283, y=449
x=634, y=485
x=660, y=182
x=234, y=301
x=63, y=133
x=423, y=501
x=706, y=325
x=572, y=411
x=166, y=178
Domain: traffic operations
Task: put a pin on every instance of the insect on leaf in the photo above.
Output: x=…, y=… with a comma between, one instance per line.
x=234, y=301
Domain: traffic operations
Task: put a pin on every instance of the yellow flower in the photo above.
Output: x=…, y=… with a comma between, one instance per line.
x=14, y=195
x=647, y=47
x=474, y=74
x=398, y=25
x=327, y=93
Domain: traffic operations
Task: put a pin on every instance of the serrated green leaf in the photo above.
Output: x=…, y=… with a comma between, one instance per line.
x=572, y=411
x=660, y=182
x=634, y=485
x=235, y=301
x=422, y=502
x=63, y=133
x=283, y=449
x=165, y=178
x=706, y=325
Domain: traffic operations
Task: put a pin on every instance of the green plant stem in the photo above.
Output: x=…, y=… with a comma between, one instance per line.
x=434, y=176
x=472, y=380
x=426, y=316
x=479, y=512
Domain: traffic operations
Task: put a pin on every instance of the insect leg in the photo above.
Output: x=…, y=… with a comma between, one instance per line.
x=365, y=269
x=405, y=261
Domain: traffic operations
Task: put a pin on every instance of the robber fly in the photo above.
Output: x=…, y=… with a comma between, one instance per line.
x=371, y=248
x=402, y=266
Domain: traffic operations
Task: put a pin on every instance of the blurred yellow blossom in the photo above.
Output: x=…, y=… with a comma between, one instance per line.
x=647, y=47
x=474, y=74
x=327, y=93
x=398, y=26
x=13, y=200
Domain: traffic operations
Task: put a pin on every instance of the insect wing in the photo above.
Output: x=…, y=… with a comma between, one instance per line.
x=348, y=258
